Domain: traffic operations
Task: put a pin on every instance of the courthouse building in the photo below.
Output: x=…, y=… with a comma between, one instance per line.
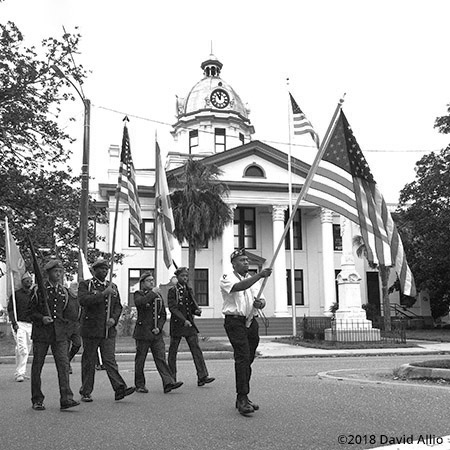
x=213, y=123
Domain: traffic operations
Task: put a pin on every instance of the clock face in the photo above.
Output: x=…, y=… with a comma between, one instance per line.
x=220, y=98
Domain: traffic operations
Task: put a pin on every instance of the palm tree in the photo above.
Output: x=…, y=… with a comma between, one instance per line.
x=384, y=271
x=199, y=210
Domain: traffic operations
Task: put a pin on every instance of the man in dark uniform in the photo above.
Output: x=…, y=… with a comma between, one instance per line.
x=72, y=314
x=93, y=296
x=50, y=330
x=21, y=325
x=183, y=307
x=148, y=334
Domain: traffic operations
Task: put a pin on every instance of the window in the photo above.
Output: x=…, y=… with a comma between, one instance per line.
x=297, y=224
x=254, y=171
x=299, y=298
x=193, y=140
x=201, y=287
x=242, y=138
x=133, y=283
x=244, y=228
x=147, y=232
x=219, y=140
x=337, y=238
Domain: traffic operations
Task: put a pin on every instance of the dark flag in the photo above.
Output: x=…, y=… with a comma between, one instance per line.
x=343, y=183
x=42, y=294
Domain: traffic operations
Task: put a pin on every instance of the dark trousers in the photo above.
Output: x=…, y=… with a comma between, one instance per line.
x=74, y=342
x=158, y=349
x=244, y=342
x=196, y=353
x=88, y=360
x=59, y=351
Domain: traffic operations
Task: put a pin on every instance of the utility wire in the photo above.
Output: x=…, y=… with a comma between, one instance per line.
x=160, y=122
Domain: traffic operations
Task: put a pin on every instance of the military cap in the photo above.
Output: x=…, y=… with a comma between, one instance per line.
x=100, y=262
x=53, y=264
x=236, y=253
x=180, y=270
x=144, y=276
x=26, y=275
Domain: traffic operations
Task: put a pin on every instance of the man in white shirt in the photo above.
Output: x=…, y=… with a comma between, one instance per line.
x=239, y=291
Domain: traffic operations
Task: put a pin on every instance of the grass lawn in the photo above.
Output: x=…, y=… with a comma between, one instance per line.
x=328, y=345
x=434, y=334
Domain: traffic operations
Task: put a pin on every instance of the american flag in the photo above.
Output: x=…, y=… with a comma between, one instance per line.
x=301, y=124
x=343, y=183
x=127, y=188
x=164, y=209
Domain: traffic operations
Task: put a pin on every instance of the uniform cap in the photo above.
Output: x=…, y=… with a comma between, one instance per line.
x=180, y=270
x=144, y=276
x=100, y=262
x=26, y=275
x=53, y=264
x=236, y=253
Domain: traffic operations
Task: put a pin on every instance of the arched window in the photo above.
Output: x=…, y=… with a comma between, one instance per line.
x=254, y=171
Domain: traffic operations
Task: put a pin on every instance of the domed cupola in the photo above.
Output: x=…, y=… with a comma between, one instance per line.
x=212, y=106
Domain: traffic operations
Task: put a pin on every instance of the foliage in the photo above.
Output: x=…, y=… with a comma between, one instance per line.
x=31, y=96
x=199, y=210
x=40, y=196
x=424, y=217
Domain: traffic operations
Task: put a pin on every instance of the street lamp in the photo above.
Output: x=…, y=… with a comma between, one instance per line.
x=84, y=203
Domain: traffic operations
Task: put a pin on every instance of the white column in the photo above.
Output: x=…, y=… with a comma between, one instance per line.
x=329, y=289
x=228, y=245
x=279, y=267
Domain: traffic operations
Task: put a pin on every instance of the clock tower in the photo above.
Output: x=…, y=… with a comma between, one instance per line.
x=212, y=118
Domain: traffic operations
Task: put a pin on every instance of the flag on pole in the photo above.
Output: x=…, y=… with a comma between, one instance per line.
x=42, y=294
x=87, y=274
x=128, y=189
x=15, y=265
x=300, y=123
x=164, y=210
x=343, y=183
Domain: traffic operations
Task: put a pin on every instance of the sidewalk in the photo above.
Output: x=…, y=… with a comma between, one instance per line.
x=269, y=349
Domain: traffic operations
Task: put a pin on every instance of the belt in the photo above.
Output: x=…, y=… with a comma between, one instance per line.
x=235, y=316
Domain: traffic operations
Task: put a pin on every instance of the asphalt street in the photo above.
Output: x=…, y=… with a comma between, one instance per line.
x=299, y=409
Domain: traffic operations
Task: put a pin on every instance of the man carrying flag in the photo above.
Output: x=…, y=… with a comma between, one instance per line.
x=21, y=325
x=50, y=330
x=19, y=302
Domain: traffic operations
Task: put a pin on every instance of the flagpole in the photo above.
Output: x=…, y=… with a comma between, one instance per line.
x=306, y=185
x=8, y=266
x=291, y=228
x=113, y=249
x=157, y=206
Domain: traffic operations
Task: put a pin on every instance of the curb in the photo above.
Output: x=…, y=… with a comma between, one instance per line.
x=122, y=357
x=413, y=372
x=334, y=375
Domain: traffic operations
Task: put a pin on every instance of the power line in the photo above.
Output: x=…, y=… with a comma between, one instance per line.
x=160, y=122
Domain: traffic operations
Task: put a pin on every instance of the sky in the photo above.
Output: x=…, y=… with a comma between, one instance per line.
x=389, y=57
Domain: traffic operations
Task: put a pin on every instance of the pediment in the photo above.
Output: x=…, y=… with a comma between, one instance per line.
x=272, y=162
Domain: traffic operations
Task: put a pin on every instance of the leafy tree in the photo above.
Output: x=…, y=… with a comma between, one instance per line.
x=31, y=96
x=424, y=217
x=199, y=210
x=40, y=196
